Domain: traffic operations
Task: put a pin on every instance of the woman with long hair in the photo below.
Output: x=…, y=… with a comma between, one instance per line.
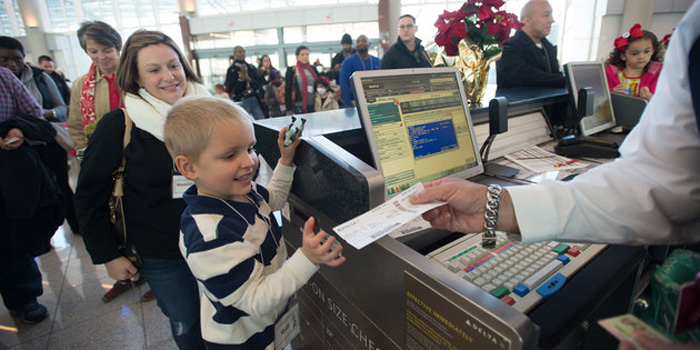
x=153, y=74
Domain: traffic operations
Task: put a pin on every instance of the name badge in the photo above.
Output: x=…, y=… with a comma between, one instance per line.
x=310, y=89
x=287, y=327
x=180, y=184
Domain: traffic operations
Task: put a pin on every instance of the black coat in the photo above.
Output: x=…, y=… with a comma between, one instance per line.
x=524, y=64
x=152, y=216
x=31, y=205
x=398, y=56
x=240, y=89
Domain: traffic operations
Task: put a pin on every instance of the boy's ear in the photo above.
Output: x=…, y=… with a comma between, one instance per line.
x=186, y=167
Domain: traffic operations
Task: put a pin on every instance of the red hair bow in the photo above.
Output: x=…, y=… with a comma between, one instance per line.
x=622, y=41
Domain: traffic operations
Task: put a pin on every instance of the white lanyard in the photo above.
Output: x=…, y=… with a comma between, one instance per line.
x=266, y=220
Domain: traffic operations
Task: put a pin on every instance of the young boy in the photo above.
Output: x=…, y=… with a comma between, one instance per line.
x=228, y=234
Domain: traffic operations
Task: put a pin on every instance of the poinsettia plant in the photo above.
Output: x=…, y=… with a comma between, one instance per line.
x=481, y=22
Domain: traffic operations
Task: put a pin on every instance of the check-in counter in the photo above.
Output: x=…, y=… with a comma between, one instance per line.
x=388, y=295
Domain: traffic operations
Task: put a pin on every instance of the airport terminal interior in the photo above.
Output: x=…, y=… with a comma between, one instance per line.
x=416, y=288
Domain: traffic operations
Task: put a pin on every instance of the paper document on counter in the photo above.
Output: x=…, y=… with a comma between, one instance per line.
x=538, y=160
x=384, y=219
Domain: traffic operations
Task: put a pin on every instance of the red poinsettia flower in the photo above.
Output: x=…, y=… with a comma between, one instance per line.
x=494, y=3
x=455, y=26
x=485, y=13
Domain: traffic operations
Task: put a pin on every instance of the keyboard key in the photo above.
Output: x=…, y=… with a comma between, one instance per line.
x=500, y=292
x=541, y=275
x=573, y=252
x=564, y=259
x=521, y=290
x=479, y=281
x=508, y=300
x=561, y=249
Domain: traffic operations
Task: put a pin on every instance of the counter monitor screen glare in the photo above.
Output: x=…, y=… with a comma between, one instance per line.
x=592, y=74
x=418, y=125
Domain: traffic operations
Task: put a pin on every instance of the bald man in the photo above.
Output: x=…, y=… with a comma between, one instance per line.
x=529, y=59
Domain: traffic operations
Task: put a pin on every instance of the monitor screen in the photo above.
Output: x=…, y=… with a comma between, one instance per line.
x=417, y=124
x=592, y=74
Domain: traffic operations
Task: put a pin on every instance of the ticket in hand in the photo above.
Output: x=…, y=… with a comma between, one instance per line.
x=622, y=327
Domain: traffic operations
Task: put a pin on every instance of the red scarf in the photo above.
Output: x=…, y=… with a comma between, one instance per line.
x=304, y=82
x=87, y=96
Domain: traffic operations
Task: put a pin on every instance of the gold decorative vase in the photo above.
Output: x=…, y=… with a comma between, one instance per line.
x=472, y=64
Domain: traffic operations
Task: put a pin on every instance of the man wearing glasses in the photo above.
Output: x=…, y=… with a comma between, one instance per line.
x=407, y=52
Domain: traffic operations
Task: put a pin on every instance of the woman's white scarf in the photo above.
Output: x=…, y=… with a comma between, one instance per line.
x=148, y=113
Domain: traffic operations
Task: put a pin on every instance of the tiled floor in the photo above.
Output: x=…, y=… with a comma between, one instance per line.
x=78, y=319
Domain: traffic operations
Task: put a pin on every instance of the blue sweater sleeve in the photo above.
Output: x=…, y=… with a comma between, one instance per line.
x=345, y=70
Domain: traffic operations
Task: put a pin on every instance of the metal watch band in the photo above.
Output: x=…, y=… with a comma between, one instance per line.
x=493, y=200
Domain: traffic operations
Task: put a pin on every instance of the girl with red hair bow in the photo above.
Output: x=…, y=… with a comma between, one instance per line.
x=635, y=63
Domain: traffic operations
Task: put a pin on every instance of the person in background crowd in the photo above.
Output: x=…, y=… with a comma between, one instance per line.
x=153, y=74
x=243, y=83
x=45, y=91
x=35, y=79
x=95, y=93
x=406, y=52
x=359, y=61
x=347, y=50
x=325, y=99
x=92, y=96
x=635, y=63
x=528, y=58
x=300, y=84
x=30, y=209
x=265, y=69
x=46, y=63
x=220, y=91
x=274, y=95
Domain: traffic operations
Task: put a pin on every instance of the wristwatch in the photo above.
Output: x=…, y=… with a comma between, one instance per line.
x=493, y=201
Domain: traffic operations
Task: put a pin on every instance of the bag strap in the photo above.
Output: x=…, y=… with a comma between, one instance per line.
x=118, y=175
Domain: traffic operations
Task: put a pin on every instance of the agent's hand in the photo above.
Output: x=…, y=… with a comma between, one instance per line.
x=465, y=208
x=13, y=134
x=288, y=152
x=121, y=269
x=651, y=344
x=620, y=89
x=317, y=252
x=644, y=92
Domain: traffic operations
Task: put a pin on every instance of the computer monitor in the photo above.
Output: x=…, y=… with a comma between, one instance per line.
x=417, y=124
x=591, y=74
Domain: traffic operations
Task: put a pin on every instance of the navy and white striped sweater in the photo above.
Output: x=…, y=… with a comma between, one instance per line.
x=238, y=255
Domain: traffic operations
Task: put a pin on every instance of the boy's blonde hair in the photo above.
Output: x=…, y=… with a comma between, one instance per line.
x=192, y=120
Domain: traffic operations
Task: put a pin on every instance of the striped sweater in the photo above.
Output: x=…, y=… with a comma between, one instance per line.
x=237, y=253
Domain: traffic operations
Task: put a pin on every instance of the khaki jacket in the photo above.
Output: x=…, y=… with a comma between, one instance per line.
x=75, y=120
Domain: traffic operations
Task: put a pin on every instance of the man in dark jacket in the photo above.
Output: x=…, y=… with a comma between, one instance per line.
x=243, y=83
x=30, y=209
x=528, y=58
x=407, y=52
x=46, y=63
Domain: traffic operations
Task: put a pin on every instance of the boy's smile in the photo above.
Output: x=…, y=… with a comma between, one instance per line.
x=225, y=169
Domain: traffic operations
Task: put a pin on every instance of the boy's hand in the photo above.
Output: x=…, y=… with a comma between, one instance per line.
x=318, y=252
x=288, y=152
